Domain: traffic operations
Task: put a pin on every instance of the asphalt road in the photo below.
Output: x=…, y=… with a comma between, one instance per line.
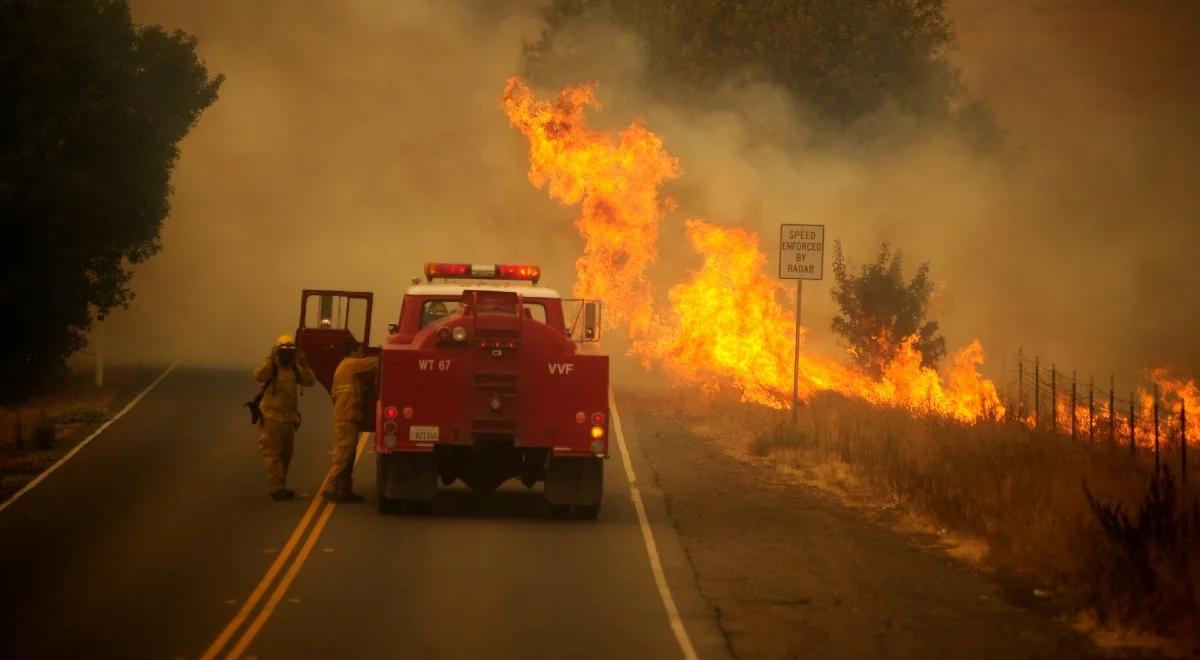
x=158, y=540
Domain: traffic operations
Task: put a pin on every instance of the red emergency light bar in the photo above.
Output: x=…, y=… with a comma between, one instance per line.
x=483, y=272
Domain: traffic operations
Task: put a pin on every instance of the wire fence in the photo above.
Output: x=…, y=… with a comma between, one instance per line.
x=1049, y=399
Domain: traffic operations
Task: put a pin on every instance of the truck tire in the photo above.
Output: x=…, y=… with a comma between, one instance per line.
x=575, y=481
x=418, y=507
x=404, y=479
x=587, y=511
x=558, y=511
x=389, y=505
x=382, y=474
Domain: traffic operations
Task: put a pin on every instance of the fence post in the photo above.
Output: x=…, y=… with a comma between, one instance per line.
x=1183, y=449
x=1091, y=408
x=1037, y=393
x=1156, y=463
x=1112, y=410
x=1053, y=400
x=1073, y=422
x=1020, y=386
x=1132, y=424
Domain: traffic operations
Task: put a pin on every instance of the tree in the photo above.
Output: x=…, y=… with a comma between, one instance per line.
x=879, y=311
x=846, y=58
x=94, y=108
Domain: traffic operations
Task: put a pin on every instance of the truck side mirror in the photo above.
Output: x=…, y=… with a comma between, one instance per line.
x=591, y=321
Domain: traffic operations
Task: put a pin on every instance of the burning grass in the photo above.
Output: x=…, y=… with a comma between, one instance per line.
x=1090, y=525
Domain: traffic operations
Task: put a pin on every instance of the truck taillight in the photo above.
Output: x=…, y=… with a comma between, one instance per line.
x=597, y=432
x=597, y=418
x=391, y=413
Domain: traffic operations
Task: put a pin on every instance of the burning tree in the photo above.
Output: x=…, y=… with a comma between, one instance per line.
x=880, y=312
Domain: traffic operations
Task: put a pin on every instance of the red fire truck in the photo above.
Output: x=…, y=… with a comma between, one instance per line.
x=483, y=378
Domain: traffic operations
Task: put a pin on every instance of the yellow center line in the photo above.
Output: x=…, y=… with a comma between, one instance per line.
x=284, y=584
x=261, y=587
x=268, y=609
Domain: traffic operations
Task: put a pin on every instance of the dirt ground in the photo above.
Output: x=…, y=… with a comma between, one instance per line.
x=792, y=572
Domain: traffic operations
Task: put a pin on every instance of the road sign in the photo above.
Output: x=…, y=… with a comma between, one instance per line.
x=801, y=257
x=801, y=252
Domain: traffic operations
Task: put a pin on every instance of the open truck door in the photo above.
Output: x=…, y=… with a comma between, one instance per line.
x=583, y=319
x=328, y=320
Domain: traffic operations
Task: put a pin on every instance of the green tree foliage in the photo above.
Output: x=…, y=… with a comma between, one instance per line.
x=846, y=58
x=93, y=109
x=879, y=311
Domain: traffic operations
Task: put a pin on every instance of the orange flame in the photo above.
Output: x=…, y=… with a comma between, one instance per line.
x=616, y=184
x=725, y=324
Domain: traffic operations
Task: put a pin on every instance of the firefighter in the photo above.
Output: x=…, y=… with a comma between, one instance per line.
x=280, y=375
x=347, y=393
x=434, y=311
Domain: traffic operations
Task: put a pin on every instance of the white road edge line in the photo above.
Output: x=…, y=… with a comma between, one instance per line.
x=75, y=450
x=660, y=578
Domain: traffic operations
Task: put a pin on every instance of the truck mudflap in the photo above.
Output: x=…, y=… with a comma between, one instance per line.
x=577, y=481
x=406, y=477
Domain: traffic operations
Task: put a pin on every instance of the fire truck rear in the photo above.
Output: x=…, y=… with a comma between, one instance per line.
x=482, y=380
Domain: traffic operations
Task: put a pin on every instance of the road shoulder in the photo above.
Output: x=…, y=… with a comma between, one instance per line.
x=698, y=615
x=790, y=572
x=35, y=435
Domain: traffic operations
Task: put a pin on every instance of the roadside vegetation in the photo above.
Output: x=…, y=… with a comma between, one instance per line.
x=38, y=431
x=879, y=310
x=94, y=109
x=1090, y=525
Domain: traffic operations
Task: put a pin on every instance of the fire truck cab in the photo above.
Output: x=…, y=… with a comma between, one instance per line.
x=484, y=377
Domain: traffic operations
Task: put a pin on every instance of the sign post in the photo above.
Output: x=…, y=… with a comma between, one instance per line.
x=801, y=257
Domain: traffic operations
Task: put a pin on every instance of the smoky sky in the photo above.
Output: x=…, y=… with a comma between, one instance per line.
x=353, y=141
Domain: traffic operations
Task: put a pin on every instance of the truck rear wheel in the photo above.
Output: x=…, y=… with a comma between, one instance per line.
x=587, y=511
x=404, y=480
x=576, y=482
x=390, y=505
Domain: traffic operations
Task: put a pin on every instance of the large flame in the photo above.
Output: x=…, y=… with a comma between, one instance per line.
x=725, y=324
x=615, y=182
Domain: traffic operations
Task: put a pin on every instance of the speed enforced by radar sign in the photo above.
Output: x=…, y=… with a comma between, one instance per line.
x=801, y=252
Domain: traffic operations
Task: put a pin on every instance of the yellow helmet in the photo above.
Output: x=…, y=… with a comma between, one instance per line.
x=285, y=340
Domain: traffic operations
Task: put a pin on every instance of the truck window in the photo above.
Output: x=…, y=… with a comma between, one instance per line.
x=434, y=310
x=335, y=312
x=537, y=311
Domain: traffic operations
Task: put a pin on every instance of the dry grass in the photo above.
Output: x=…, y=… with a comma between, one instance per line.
x=1049, y=512
x=35, y=433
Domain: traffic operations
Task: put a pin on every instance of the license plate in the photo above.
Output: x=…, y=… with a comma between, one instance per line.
x=423, y=433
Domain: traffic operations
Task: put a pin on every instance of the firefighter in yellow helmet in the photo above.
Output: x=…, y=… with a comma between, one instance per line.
x=280, y=375
x=347, y=393
x=434, y=311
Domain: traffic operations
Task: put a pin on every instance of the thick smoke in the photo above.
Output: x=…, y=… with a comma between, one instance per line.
x=1072, y=240
x=356, y=140
x=352, y=142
